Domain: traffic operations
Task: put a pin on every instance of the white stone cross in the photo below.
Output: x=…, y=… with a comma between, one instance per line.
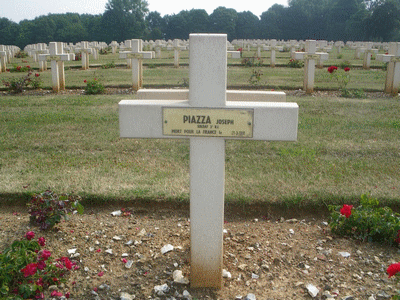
x=272, y=46
x=135, y=56
x=393, y=68
x=85, y=51
x=57, y=58
x=233, y=54
x=367, y=55
x=3, y=59
x=41, y=50
x=310, y=57
x=114, y=46
x=207, y=119
x=177, y=49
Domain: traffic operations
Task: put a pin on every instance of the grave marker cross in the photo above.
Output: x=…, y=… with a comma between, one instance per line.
x=177, y=49
x=207, y=119
x=57, y=58
x=310, y=57
x=393, y=68
x=135, y=57
x=85, y=51
x=3, y=59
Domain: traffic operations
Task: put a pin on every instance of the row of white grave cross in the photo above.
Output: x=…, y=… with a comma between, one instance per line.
x=132, y=51
x=6, y=53
x=203, y=115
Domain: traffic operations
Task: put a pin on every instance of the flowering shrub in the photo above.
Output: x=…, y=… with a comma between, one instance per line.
x=93, y=87
x=108, y=65
x=241, y=51
x=367, y=222
x=295, y=63
x=255, y=76
x=18, y=84
x=78, y=56
x=47, y=209
x=252, y=62
x=394, y=270
x=21, y=54
x=342, y=77
x=345, y=64
x=26, y=270
x=17, y=68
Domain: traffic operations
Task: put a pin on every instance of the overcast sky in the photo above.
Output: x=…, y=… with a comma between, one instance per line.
x=18, y=10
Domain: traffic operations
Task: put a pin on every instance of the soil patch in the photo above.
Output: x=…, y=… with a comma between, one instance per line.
x=267, y=255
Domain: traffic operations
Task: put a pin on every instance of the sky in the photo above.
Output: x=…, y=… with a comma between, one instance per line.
x=18, y=10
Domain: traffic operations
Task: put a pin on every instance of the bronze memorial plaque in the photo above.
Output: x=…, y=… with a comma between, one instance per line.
x=211, y=122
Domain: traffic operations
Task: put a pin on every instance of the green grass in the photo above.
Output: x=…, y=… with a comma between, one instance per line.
x=345, y=148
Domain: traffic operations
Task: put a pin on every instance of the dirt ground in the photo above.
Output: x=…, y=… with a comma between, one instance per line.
x=272, y=256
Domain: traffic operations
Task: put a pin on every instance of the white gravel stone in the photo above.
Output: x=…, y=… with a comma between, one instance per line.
x=167, y=248
x=312, y=290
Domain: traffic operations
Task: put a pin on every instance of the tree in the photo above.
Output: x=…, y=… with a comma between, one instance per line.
x=384, y=21
x=223, y=20
x=308, y=18
x=25, y=34
x=8, y=32
x=154, y=20
x=340, y=15
x=199, y=21
x=272, y=22
x=124, y=19
x=44, y=29
x=177, y=26
x=247, y=26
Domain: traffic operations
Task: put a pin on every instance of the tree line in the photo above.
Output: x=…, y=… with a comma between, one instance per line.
x=356, y=20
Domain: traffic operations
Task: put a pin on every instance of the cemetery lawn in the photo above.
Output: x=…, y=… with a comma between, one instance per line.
x=70, y=143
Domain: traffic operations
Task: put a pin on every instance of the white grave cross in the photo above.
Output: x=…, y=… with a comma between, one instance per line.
x=177, y=49
x=310, y=57
x=3, y=59
x=393, y=68
x=57, y=58
x=207, y=119
x=135, y=56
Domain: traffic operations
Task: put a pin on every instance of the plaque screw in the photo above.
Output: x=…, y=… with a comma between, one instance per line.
x=165, y=121
x=249, y=123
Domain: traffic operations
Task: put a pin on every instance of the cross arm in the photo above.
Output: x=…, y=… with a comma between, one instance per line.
x=233, y=54
x=387, y=58
x=271, y=120
x=231, y=95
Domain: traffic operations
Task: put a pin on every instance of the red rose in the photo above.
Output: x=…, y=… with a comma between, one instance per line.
x=44, y=254
x=30, y=269
x=67, y=295
x=29, y=235
x=346, y=210
x=41, y=241
x=39, y=282
x=346, y=69
x=56, y=294
x=393, y=269
x=41, y=265
x=37, y=74
x=84, y=81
